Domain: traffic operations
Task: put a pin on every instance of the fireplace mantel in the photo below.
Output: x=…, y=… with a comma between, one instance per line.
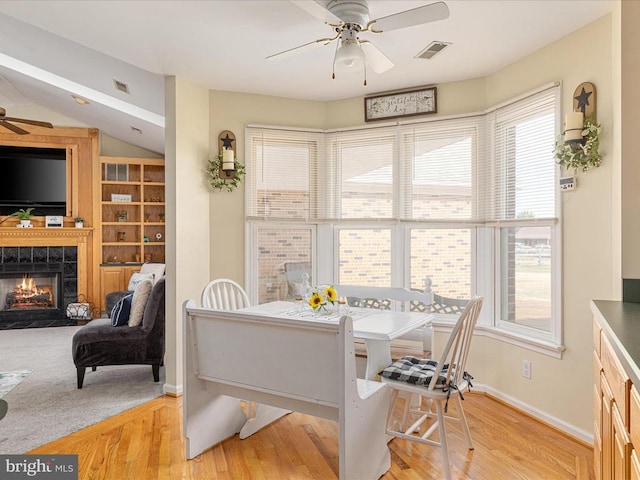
x=53, y=237
x=40, y=236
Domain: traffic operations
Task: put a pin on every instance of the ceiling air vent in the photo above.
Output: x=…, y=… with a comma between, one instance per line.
x=432, y=49
x=123, y=87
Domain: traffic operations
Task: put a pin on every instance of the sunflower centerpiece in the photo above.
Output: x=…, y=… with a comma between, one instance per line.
x=322, y=297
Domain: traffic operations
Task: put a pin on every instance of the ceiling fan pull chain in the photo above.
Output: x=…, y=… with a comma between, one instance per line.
x=365, y=74
x=333, y=65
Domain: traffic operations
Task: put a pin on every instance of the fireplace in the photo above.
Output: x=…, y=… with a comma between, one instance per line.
x=36, y=285
x=32, y=292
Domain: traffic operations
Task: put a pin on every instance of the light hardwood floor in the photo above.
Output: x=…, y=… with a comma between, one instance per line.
x=146, y=443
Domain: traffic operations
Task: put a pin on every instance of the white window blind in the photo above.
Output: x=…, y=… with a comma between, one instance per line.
x=283, y=170
x=519, y=175
x=363, y=163
x=437, y=162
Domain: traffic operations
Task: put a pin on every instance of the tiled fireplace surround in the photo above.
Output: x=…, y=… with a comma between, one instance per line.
x=65, y=248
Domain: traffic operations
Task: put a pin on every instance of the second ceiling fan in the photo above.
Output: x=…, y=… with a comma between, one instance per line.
x=348, y=19
x=6, y=122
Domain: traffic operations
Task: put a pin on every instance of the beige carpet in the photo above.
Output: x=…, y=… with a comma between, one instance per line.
x=47, y=405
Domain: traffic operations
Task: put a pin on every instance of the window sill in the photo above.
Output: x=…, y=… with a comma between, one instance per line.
x=544, y=347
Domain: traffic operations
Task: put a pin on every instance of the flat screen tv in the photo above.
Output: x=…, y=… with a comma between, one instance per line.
x=33, y=177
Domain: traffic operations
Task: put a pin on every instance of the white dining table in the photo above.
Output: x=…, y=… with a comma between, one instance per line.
x=376, y=327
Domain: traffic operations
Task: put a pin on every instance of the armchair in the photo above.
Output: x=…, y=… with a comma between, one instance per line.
x=157, y=269
x=98, y=343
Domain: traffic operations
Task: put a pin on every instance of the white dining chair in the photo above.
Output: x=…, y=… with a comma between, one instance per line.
x=436, y=382
x=225, y=294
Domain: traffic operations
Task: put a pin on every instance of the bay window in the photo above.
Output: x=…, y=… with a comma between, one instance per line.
x=470, y=202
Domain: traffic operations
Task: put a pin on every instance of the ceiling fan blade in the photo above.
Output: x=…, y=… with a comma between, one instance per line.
x=29, y=122
x=415, y=16
x=317, y=10
x=298, y=49
x=377, y=60
x=13, y=128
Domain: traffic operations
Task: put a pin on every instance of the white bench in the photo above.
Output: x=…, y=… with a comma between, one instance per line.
x=400, y=299
x=302, y=365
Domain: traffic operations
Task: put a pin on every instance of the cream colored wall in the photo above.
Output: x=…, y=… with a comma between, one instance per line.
x=559, y=388
x=187, y=211
x=453, y=98
x=112, y=147
x=630, y=63
x=232, y=111
x=563, y=388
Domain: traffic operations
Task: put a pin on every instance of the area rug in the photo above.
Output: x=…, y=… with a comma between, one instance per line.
x=10, y=380
x=47, y=404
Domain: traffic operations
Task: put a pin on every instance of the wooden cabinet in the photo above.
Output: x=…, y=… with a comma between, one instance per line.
x=634, y=474
x=616, y=409
x=114, y=278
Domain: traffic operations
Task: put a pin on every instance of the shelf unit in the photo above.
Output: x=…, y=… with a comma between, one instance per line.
x=130, y=232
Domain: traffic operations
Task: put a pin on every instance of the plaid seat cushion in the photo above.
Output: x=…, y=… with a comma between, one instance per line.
x=416, y=371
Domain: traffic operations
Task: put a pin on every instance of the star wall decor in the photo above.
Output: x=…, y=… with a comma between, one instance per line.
x=227, y=139
x=227, y=142
x=584, y=100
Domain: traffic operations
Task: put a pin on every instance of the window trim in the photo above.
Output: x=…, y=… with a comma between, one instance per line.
x=443, y=325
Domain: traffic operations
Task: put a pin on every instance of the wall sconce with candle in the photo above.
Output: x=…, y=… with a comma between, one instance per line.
x=578, y=146
x=584, y=107
x=225, y=172
x=226, y=146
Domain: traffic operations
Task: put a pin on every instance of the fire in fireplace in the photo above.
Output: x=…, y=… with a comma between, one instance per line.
x=27, y=294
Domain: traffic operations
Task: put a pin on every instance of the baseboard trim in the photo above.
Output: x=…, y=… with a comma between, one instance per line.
x=555, y=423
x=172, y=390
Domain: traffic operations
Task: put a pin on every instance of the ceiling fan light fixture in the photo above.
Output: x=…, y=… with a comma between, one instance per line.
x=349, y=57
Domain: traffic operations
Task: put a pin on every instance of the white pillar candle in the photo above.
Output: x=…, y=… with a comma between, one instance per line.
x=227, y=159
x=573, y=126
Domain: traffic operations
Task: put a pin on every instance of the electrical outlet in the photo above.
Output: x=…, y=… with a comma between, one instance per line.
x=526, y=369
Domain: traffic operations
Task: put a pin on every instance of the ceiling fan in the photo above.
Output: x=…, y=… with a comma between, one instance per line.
x=348, y=19
x=4, y=122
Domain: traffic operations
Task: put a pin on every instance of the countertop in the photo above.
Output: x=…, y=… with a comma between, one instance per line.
x=620, y=321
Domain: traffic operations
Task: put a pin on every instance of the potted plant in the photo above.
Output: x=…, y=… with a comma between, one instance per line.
x=79, y=222
x=24, y=216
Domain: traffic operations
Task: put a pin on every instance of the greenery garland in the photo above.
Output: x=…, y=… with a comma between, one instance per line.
x=580, y=156
x=221, y=183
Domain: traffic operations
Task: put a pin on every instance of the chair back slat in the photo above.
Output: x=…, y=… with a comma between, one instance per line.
x=387, y=298
x=456, y=351
x=224, y=294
